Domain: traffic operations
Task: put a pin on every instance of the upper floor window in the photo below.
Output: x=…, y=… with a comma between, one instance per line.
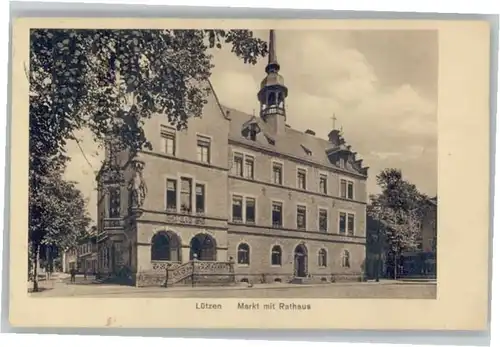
x=114, y=202
x=301, y=179
x=186, y=201
x=346, y=223
x=238, y=164
x=168, y=141
x=200, y=198
x=237, y=206
x=277, y=214
x=250, y=210
x=346, y=189
x=171, y=195
x=278, y=173
x=323, y=188
x=301, y=217
x=249, y=167
x=323, y=220
x=203, y=149
x=342, y=223
x=350, y=224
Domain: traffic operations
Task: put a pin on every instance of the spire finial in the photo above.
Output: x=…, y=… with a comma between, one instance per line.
x=334, y=119
x=272, y=63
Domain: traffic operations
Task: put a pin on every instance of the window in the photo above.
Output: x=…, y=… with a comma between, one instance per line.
x=165, y=246
x=200, y=198
x=342, y=222
x=168, y=141
x=238, y=165
x=276, y=256
x=277, y=173
x=301, y=217
x=301, y=179
x=323, y=189
x=243, y=254
x=186, y=195
x=346, y=189
x=250, y=210
x=114, y=202
x=249, y=167
x=350, y=224
x=237, y=209
x=171, y=195
x=323, y=220
x=203, y=149
x=322, y=259
x=277, y=214
x=346, y=259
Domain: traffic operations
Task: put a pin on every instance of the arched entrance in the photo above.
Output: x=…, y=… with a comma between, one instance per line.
x=300, y=261
x=204, y=246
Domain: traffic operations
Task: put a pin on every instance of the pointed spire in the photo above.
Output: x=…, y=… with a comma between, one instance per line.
x=272, y=65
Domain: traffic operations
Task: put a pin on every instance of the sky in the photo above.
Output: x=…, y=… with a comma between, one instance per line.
x=380, y=84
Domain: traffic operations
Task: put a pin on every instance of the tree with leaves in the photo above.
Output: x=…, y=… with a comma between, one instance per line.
x=58, y=217
x=111, y=81
x=399, y=210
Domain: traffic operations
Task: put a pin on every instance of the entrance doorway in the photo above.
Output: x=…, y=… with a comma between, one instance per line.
x=204, y=246
x=300, y=261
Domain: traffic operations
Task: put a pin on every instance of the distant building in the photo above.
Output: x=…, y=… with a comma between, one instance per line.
x=82, y=258
x=234, y=197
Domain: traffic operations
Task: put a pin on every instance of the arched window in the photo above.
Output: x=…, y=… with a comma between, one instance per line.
x=204, y=246
x=165, y=246
x=276, y=255
x=243, y=254
x=346, y=258
x=322, y=259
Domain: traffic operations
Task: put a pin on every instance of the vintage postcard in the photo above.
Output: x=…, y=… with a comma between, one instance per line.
x=250, y=174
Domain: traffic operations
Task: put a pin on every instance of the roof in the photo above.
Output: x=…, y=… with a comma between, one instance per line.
x=293, y=142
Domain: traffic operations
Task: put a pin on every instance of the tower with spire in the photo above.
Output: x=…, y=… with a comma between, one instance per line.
x=273, y=92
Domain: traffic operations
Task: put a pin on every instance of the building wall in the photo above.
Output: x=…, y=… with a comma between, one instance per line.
x=260, y=258
x=265, y=192
x=429, y=230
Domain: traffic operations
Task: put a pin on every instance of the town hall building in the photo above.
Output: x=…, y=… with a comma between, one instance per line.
x=234, y=198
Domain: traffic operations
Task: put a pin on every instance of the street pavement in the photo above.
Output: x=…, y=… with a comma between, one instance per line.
x=384, y=289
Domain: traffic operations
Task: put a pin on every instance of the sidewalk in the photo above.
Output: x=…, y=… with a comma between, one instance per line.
x=64, y=288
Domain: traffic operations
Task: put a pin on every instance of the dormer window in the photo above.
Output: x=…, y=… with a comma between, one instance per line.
x=252, y=134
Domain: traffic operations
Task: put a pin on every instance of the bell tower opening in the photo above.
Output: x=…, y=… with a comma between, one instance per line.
x=273, y=91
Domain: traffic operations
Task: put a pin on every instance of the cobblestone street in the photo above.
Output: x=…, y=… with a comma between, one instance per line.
x=384, y=289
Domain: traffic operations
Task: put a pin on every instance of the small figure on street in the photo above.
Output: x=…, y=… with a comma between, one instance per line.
x=85, y=274
x=73, y=275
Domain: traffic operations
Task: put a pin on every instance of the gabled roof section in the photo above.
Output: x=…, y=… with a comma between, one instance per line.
x=219, y=105
x=292, y=142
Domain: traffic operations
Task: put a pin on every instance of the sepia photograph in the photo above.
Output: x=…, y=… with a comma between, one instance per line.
x=272, y=163
x=286, y=163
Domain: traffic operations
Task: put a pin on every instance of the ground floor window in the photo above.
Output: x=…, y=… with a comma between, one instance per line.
x=276, y=256
x=322, y=258
x=243, y=254
x=346, y=262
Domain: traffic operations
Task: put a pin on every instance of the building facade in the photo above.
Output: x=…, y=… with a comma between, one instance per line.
x=236, y=194
x=83, y=257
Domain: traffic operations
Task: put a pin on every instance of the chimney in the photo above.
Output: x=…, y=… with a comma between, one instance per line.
x=310, y=132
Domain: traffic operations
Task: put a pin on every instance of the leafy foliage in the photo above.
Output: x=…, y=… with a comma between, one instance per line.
x=57, y=212
x=398, y=211
x=112, y=80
